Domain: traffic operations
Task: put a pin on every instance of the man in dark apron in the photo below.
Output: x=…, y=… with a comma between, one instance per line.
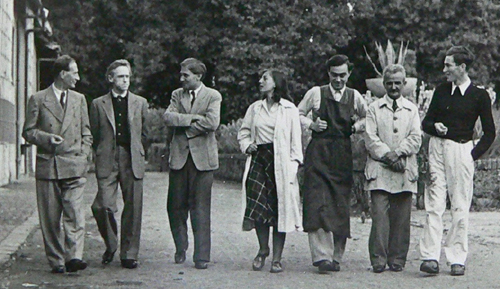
x=337, y=112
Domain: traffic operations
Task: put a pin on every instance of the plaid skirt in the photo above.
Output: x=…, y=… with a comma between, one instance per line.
x=261, y=195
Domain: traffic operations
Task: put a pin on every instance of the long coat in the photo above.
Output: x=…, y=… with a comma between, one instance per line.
x=45, y=118
x=197, y=138
x=287, y=144
x=102, y=120
x=388, y=130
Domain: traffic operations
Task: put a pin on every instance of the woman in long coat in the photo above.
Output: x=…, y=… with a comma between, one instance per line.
x=271, y=137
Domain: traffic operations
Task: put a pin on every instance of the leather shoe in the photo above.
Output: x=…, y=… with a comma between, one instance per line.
x=378, y=268
x=259, y=262
x=324, y=266
x=180, y=257
x=396, y=267
x=129, y=263
x=58, y=269
x=335, y=267
x=430, y=266
x=276, y=267
x=74, y=265
x=200, y=265
x=457, y=270
x=107, y=257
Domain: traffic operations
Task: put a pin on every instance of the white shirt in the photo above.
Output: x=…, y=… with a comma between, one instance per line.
x=196, y=91
x=58, y=92
x=265, y=121
x=312, y=101
x=463, y=87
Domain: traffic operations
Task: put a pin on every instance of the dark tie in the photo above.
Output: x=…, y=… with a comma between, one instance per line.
x=457, y=92
x=193, y=97
x=394, y=105
x=61, y=100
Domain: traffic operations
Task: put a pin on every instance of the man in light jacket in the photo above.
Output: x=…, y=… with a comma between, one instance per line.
x=193, y=115
x=393, y=138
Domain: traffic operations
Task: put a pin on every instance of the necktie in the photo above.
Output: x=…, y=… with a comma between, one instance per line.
x=192, y=97
x=394, y=105
x=61, y=99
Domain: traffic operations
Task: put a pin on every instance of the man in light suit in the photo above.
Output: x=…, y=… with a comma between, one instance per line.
x=193, y=115
x=118, y=123
x=57, y=122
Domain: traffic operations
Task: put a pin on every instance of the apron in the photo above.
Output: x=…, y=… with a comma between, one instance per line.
x=328, y=167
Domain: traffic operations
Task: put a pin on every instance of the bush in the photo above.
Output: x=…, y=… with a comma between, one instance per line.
x=227, y=137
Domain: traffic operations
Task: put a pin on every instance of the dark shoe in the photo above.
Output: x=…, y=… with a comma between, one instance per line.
x=430, y=266
x=259, y=262
x=201, y=265
x=129, y=263
x=180, y=257
x=276, y=267
x=335, y=267
x=324, y=267
x=457, y=270
x=58, y=269
x=74, y=265
x=107, y=257
x=378, y=268
x=396, y=267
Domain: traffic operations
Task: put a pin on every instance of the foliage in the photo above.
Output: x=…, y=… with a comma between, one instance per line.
x=388, y=56
x=238, y=38
x=227, y=137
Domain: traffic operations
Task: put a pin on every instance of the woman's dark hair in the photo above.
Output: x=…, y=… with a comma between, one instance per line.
x=281, y=88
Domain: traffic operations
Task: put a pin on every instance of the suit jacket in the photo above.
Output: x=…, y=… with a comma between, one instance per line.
x=102, y=122
x=197, y=138
x=45, y=118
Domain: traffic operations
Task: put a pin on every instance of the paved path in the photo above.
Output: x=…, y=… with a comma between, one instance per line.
x=233, y=251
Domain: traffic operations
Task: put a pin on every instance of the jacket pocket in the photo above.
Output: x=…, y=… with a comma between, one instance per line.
x=412, y=169
x=371, y=170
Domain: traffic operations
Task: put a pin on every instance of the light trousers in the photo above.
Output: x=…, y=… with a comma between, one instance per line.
x=326, y=246
x=56, y=199
x=452, y=171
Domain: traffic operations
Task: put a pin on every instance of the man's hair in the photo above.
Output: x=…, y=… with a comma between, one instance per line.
x=338, y=60
x=281, y=85
x=393, y=69
x=61, y=63
x=461, y=54
x=117, y=63
x=195, y=66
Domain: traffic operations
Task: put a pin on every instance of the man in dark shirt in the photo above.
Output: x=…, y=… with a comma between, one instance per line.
x=118, y=124
x=450, y=121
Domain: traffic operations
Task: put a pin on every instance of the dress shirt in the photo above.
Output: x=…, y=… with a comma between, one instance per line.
x=265, y=121
x=312, y=101
x=463, y=87
x=58, y=92
x=196, y=91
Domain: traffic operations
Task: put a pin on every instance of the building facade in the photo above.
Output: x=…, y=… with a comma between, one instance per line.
x=22, y=24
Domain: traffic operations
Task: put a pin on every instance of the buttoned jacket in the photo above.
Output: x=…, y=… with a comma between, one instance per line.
x=194, y=137
x=45, y=118
x=398, y=131
x=102, y=121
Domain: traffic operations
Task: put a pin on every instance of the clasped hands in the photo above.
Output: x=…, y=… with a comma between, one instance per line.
x=394, y=162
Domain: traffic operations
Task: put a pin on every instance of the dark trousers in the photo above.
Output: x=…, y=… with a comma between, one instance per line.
x=190, y=190
x=104, y=207
x=390, y=234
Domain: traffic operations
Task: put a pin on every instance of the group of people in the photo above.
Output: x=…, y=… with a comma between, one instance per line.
x=271, y=136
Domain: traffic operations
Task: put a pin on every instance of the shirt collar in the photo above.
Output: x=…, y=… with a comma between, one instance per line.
x=463, y=87
x=333, y=90
x=196, y=91
x=116, y=95
x=57, y=91
x=387, y=101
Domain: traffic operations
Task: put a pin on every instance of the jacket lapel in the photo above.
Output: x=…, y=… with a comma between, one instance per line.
x=71, y=106
x=53, y=105
x=132, y=107
x=186, y=101
x=107, y=104
x=199, y=98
